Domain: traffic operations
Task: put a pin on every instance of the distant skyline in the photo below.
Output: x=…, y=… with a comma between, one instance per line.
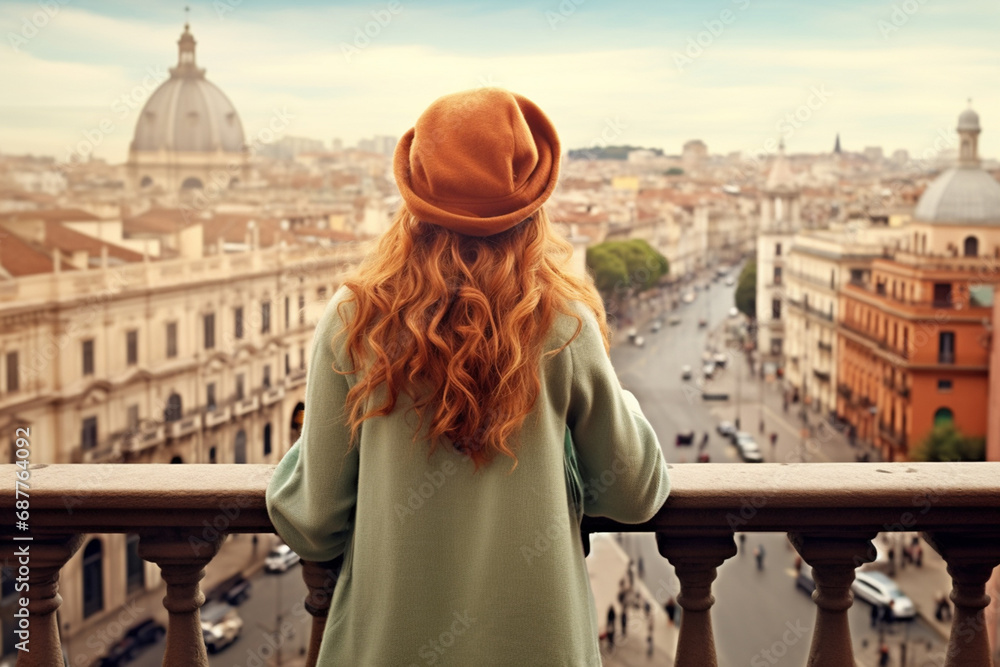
x=733, y=73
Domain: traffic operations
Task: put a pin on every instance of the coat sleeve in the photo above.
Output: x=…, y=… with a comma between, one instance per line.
x=312, y=495
x=623, y=469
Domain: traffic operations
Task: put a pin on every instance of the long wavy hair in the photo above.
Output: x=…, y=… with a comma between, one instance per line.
x=459, y=323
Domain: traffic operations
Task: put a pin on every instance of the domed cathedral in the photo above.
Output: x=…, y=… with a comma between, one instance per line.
x=188, y=137
x=958, y=214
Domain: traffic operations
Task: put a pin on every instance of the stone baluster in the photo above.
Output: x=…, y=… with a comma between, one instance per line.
x=182, y=557
x=971, y=559
x=834, y=559
x=46, y=555
x=321, y=579
x=695, y=560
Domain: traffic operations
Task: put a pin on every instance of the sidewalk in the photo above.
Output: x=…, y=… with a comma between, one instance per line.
x=237, y=554
x=607, y=565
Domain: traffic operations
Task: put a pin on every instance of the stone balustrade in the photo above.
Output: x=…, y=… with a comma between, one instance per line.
x=831, y=512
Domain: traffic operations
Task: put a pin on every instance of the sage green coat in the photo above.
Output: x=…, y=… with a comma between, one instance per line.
x=444, y=567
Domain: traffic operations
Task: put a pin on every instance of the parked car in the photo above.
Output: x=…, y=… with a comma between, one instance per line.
x=726, y=429
x=684, y=439
x=657, y=324
x=632, y=333
x=720, y=360
x=675, y=320
x=125, y=649
x=747, y=447
x=730, y=281
x=234, y=590
x=878, y=589
x=804, y=578
x=708, y=370
x=280, y=559
x=688, y=297
x=220, y=625
x=685, y=372
x=639, y=341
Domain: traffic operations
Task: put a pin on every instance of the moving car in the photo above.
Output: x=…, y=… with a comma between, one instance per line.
x=747, y=447
x=234, y=590
x=139, y=635
x=280, y=559
x=878, y=589
x=727, y=430
x=685, y=372
x=220, y=625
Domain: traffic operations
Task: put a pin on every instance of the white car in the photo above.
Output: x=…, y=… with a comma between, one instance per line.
x=688, y=297
x=878, y=589
x=726, y=429
x=639, y=341
x=730, y=281
x=748, y=449
x=708, y=370
x=720, y=360
x=734, y=312
x=220, y=625
x=685, y=372
x=280, y=559
x=656, y=326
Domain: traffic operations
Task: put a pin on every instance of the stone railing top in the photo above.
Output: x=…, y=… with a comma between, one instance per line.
x=710, y=497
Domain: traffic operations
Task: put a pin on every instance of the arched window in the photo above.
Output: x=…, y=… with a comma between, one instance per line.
x=267, y=439
x=212, y=454
x=93, y=578
x=174, y=408
x=191, y=183
x=971, y=246
x=177, y=459
x=135, y=571
x=241, y=446
x=943, y=417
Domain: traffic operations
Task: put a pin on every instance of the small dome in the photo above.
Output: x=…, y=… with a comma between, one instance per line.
x=187, y=112
x=968, y=120
x=961, y=195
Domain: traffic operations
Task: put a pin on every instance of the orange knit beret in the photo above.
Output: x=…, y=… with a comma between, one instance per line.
x=478, y=162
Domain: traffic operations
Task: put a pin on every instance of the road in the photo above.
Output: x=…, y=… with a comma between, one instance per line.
x=253, y=648
x=760, y=617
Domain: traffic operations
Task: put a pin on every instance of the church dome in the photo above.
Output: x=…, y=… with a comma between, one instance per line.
x=965, y=194
x=188, y=113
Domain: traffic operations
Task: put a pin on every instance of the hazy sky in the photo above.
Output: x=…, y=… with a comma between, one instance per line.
x=655, y=73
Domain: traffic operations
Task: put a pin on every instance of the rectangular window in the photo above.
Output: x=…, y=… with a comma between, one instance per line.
x=906, y=340
x=776, y=309
x=88, y=434
x=133, y=418
x=209, y=320
x=288, y=310
x=288, y=363
x=944, y=385
x=832, y=279
x=942, y=295
x=777, y=250
x=946, y=347
x=238, y=323
x=210, y=396
x=265, y=317
x=239, y=386
x=171, y=340
x=777, y=275
x=13, y=373
x=266, y=377
x=88, y=357
x=132, y=347
x=302, y=358
x=302, y=309
x=321, y=293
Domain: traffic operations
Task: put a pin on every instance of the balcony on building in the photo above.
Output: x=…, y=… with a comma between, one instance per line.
x=831, y=512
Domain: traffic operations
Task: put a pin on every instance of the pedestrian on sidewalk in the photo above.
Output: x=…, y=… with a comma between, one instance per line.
x=759, y=555
x=671, y=608
x=624, y=618
x=942, y=607
x=875, y=615
x=610, y=628
x=743, y=541
x=481, y=328
x=649, y=637
x=761, y=425
x=883, y=655
x=642, y=569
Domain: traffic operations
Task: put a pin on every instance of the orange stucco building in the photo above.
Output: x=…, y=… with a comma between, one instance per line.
x=915, y=336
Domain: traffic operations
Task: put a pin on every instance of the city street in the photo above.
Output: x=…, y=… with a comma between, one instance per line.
x=758, y=614
x=253, y=648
